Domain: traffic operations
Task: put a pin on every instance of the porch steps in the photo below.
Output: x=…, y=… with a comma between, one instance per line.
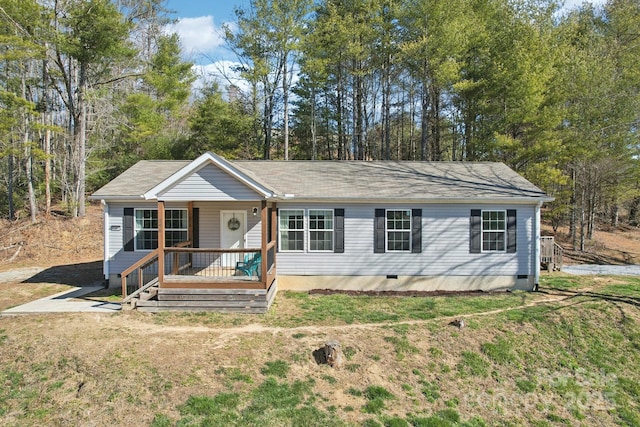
x=218, y=300
x=149, y=294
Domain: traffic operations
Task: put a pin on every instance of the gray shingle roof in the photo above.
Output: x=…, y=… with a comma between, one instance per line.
x=351, y=180
x=390, y=180
x=139, y=178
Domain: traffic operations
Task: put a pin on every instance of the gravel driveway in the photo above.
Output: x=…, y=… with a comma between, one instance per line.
x=613, y=270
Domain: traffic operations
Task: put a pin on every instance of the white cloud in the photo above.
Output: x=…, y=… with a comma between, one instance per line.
x=572, y=4
x=197, y=35
x=224, y=72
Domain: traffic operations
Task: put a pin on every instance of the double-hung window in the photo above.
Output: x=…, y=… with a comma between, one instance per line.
x=146, y=228
x=175, y=226
x=320, y=230
x=494, y=231
x=291, y=230
x=398, y=230
x=146, y=231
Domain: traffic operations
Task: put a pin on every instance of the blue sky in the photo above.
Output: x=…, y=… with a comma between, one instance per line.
x=220, y=9
x=199, y=25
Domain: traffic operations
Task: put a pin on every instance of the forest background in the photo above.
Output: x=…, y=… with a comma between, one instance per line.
x=89, y=87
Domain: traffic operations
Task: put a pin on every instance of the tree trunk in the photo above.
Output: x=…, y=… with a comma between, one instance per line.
x=424, y=125
x=634, y=211
x=412, y=120
x=615, y=214
x=47, y=167
x=387, y=110
x=314, y=137
x=573, y=216
x=266, y=127
x=33, y=207
x=80, y=137
x=285, y=102
x=339, y=100
x=328, y=137
x=355, y=100
x=46, y=142
x=12, y=212
x=436, y=151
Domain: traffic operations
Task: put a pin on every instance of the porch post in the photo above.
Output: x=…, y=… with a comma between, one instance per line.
x=274, y=230
x=190, y=231
x=265, y=235
x=190, y=222
x=161, y=242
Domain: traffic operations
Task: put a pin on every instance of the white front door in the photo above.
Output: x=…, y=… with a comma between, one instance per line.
x=233, y=228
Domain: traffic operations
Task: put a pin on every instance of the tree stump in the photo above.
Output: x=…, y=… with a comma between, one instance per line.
x=333, y=354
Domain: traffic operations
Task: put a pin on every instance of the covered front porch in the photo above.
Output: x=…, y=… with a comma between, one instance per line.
x=186, y=276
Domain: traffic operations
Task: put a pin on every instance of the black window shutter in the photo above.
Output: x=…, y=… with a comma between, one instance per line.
x=338, y=229
x=511, y=231
x=416, y=231
x=195, y=227
x=127, y=230
x=378, y=232
x=278, y=230
x=475, y=240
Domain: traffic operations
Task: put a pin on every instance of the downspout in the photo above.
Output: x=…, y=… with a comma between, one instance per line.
x=105, y=261
x=536, y=251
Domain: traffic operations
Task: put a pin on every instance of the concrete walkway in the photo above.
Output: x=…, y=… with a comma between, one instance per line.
x=607, y=270
x=65, y=302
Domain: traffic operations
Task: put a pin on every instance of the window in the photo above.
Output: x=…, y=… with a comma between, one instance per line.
x=291, y=230
x=320, y=230
x=175, y=226
x=398, y=230
x=146, y=228
x=494, y=227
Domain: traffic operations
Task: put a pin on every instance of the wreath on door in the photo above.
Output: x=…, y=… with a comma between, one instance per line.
x=233, y=224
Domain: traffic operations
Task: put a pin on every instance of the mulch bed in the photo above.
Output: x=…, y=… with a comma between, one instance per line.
x=400, y=293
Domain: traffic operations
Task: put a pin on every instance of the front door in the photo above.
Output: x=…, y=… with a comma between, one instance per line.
x=233, y=228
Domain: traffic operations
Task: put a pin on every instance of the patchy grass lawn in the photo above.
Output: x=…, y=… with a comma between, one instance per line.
x=568, y=355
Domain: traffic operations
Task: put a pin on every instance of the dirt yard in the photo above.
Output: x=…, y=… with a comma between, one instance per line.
x=611, y=245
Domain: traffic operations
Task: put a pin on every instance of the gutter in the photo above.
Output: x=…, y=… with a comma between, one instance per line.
x=536, y=246
x=408, y=201
x=105, y=261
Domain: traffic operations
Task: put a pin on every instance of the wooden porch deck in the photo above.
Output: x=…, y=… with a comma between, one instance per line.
x=212, y=282
x=254, y=301
x=183, y=277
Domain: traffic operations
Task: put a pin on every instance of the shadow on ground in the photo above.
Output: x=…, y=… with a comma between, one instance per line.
x=571, y=294
x=84, y=274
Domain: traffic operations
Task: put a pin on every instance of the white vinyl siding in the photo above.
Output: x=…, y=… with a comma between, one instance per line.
x=445, y=241
x=209, y=224
x=210, y=184
x=445, y=246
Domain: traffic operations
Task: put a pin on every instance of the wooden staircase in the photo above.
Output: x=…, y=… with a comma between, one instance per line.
x=152, y=298
x=551, y=254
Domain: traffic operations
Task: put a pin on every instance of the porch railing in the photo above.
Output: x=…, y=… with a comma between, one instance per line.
x=206, y=262
x=182, y=260
x=139, y=274
x=551, y=253
x=221, y=263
